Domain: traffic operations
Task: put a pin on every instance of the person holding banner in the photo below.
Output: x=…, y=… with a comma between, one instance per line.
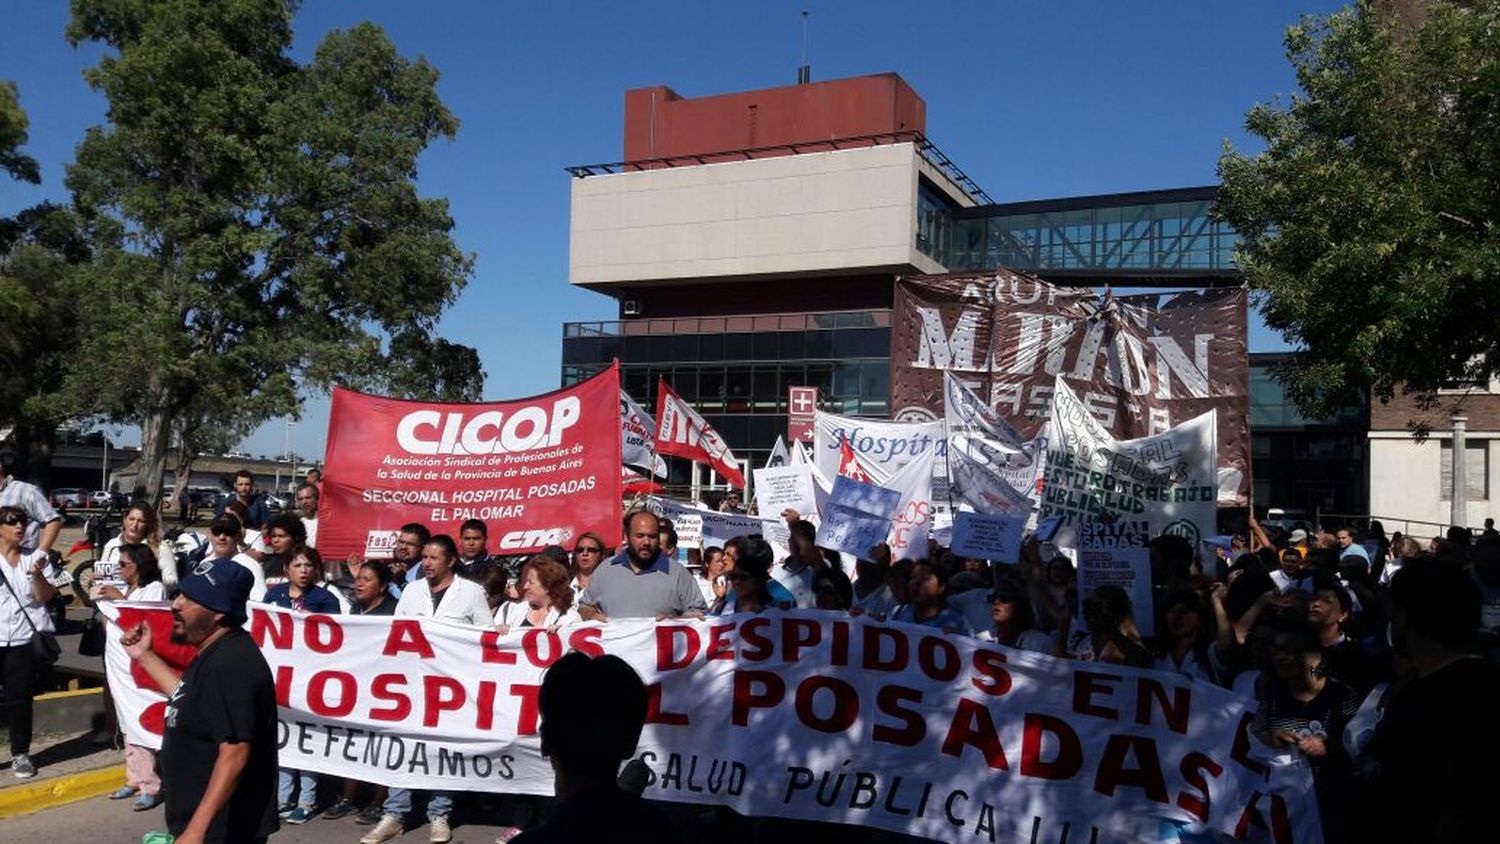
x=546, y=600
x=588, y=553
x=142, y=576
x=443, y=596
x=640, y=582
x=928, y=604
x=218, y=755
x=751, y=575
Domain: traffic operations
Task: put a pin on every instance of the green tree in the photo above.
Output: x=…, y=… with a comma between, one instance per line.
x=1371, y=221
x=258, y=227
x=13, y=125
x=37, y=247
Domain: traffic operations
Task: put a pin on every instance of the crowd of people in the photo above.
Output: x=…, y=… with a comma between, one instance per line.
x=1372, y=658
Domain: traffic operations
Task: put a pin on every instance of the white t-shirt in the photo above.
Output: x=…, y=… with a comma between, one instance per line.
x=258, y=589
x=155, y=591
x=463, y=602
x=311, y=526
x=13, y=627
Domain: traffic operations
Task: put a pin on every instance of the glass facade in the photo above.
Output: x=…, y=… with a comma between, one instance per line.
x=1172, y=233
x=1315, y=465
x=736, y=370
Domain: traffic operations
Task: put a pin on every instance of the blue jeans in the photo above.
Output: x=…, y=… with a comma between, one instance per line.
x=307, y=782
x=398, y=803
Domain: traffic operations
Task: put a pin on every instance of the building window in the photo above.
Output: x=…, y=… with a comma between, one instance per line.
x=1476, y=471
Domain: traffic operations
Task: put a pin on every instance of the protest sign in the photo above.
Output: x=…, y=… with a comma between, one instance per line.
x=689, y=527
x=904, y=728
x=1143, y=363
x=987, y=536
x=681, y=432
x=990, y=468
x=718, y=528
x=537, y=471
x=1167, y=480
x=857, y=517
x=785, y=487
x=911, y=525
x=1116, y=554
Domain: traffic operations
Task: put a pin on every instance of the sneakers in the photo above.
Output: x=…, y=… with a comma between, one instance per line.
x=285, y=809
x=300, y=815
x=339, y=809
x=389, y=827
x=440, y=833
x=22, y=767
x=370, y=814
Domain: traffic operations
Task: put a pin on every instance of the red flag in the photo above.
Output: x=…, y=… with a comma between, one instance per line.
x=633, y=482
x=849, y=464
x=682, y=432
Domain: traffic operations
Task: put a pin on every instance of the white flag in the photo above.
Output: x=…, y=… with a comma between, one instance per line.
x=638, y=438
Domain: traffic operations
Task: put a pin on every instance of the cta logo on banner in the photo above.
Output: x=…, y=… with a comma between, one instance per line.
x=801, y=404
x=536, y=471
x=1143, y=363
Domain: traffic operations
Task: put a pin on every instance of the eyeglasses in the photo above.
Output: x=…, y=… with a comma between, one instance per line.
x=585, y=549
x=14, y=521
x=223, y=531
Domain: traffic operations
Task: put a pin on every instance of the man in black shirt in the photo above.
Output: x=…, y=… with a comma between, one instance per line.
x=218, y=756
x=474, y=558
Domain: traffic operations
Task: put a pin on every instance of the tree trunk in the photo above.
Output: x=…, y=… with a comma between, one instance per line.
x=156, y=436
x=183, y=470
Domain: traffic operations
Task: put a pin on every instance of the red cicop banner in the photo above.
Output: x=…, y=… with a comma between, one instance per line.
x=537, y=471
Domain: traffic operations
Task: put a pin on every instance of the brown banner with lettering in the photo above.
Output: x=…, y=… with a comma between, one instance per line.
x=1142, y=363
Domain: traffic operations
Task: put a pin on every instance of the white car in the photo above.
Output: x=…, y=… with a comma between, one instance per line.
x=100, y=498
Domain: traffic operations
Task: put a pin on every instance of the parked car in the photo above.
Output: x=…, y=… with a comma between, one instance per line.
x=69, y=497
x=101, y=498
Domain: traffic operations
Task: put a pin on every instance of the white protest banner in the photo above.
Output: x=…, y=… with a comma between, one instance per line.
x=988, y=537
x=689, y=527
x=1168, y=480
x=1116, y=554
x=857, y=517
x=718, y=528
x=912, y=523
x=989, y=467
x=785, y=487
x=881, y=447
x=638, y=438
x=904, y=728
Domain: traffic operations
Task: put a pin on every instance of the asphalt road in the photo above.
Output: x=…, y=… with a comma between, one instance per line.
x=101, y=820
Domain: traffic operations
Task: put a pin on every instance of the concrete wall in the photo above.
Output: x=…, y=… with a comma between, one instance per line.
x=845, y=211
x=1404, y=480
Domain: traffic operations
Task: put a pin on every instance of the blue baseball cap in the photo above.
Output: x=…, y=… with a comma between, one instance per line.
x=222, y=585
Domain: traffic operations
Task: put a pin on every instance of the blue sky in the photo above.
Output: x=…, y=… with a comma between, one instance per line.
x=1032, y=99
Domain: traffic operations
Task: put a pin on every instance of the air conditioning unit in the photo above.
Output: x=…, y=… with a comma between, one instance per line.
x=631, y=307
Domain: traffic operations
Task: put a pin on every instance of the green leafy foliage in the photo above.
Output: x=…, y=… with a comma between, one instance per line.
x=257, y=225
x=1371, y=221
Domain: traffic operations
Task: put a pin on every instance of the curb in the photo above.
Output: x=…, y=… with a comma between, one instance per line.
x=59, y=791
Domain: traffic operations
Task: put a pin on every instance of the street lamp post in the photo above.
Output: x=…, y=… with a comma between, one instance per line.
x=287, y=455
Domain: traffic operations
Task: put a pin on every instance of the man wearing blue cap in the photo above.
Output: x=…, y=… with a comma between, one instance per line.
x=218, y=756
